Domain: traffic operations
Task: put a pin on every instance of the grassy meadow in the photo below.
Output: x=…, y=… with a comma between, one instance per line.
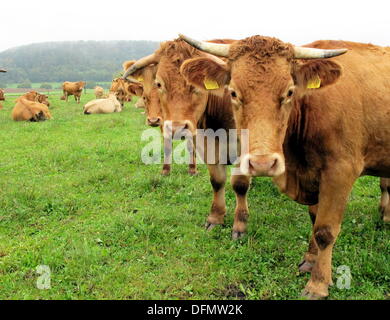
x=75, y=196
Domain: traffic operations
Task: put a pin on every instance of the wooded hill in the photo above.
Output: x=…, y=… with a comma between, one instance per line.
x=71, y=61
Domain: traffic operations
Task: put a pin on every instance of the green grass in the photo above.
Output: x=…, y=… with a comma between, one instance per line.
x=75, y=196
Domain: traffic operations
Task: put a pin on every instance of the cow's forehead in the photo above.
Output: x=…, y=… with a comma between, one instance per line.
x=261, y=48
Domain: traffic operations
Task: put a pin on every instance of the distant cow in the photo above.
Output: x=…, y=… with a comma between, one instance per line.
x=109, y=105
x=73, y=89
x=26, y=110
x=99, y=92
x=37, y=97
x=2, y=98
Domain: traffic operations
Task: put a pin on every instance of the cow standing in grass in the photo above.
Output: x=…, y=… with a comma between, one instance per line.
x=184, y=108
x=73, y=89
x=315, y=125
x=99, y=92
x=2, y=97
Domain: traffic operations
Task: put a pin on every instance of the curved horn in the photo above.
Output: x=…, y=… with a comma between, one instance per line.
x=1, y=70
x=311, y=53
x=217, y=49
x=141, y=63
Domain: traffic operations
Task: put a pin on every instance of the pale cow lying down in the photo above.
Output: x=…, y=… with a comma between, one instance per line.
x=26, y=110
x=109, y=105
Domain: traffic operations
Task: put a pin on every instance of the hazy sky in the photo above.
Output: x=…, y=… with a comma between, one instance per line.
x=297, y=21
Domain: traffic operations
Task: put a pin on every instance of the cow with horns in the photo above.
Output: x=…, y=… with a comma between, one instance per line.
x=184, y=108
x=316, y=125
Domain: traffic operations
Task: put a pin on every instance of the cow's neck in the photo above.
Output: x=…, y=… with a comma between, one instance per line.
x=218, y=113
x=305, y=153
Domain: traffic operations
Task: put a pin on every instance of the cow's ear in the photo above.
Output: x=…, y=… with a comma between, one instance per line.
x=136, y=89
x=206, y=73
x=317, y=74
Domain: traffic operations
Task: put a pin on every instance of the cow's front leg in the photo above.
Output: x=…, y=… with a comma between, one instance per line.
x=167, y=156
x=334, y=191
x=385, y=199
x=311, y=255
x=241, y=186
x=191, y=146
x=218, y=207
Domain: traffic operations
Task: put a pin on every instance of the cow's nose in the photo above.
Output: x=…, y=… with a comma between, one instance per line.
x=154, y=122
x=269, y=165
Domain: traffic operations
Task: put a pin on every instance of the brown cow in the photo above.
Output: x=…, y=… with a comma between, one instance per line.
x=37, y=97
x=26, y=110
x=99, y=92
x=315, y=143
x=73, y=89
x=2, y=97
x=187, y=108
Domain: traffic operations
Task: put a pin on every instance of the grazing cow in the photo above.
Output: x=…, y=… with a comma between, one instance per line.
x=99, y=92
x=2, y=97
x=315, y=143
x=184, y=107
x=109, y=105
x=37, y=97
x=26, y=110
x=385, y=200
x=73, y=89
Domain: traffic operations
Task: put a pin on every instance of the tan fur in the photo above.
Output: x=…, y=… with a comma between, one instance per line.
x=99, y=92
x=2, y=97
x=26, y=110
x=37, y=97
x=109, y=105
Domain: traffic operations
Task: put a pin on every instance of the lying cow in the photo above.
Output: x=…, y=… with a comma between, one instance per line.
x=315, y=125
x=37, y=97
x=26, y=110
x=109, y=105
x=2, y=97
x=99, y=92
x=73, y=89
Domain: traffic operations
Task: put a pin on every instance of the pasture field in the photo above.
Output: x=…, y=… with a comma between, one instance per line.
x=75, y=196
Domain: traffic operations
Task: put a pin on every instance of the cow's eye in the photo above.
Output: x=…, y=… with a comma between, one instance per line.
x=158, y=85
x=233, y=94
x=290, y=93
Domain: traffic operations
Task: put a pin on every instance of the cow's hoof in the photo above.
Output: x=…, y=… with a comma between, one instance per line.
x=315, y=292
x=165, y=173
x=192, y=172
x=305, y=267
x=236, y=235
x=210, y=226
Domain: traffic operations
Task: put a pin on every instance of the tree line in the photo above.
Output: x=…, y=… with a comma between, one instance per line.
x=97, y=61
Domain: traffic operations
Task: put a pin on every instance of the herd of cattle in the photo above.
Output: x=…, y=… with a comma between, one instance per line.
x=318, y=118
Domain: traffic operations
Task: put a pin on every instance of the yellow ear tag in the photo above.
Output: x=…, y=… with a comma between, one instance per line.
x=211, y=84
x=314, y=83
x=140, y=79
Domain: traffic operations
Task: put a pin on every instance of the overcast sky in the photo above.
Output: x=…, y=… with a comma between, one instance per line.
x=298, y=21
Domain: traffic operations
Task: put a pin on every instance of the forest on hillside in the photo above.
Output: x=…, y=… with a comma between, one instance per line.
x=70, y=61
